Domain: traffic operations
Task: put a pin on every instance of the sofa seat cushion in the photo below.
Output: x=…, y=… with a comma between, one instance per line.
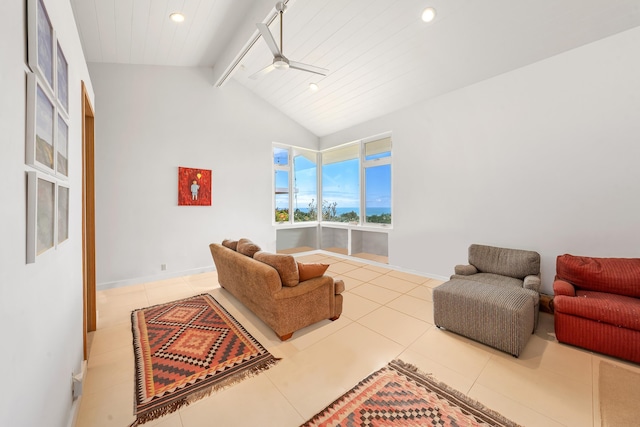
x=247, y=247
x=611, y=275
x=491, y=279
x=285, y=265
x=616, y=310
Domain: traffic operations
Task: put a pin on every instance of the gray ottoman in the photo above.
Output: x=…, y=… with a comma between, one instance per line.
x=498, y=316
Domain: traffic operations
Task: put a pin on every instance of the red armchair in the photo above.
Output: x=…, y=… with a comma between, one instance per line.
x=597, y=304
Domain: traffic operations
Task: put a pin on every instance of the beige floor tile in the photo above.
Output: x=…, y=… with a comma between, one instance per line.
x=315, y=377
x=122, y=290
x=564, y=400
x=108, y=317
x=312, y=258
x=555, y=358
x=393, y=283
x=170, y=420
x=165, y=282
x=414, y=278
x=354, y=262
x=453, y=351
x=423, y=292
x=512, y=409
x=167, y=294
x=341, y=267
x=377, y=268
x=433, y=283
x=129, y=300
x=439, y=371
x=375, y=293
x=108, y=339
x=252, y=402
x=395, y=325
x=306, y=337
x=349, y=283
x=362, y=274
x=110, y=368
x=109, y=407
x=354, y=306
x=415, y=307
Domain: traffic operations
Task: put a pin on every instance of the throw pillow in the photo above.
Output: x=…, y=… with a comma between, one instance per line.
x=247, y=247
x=231, y=244
x=285, y=265
x=309, y=271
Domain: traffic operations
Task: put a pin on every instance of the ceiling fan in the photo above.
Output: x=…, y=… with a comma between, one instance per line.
x=280, y=61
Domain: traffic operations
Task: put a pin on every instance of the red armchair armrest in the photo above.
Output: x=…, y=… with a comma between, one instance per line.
x=562, y=287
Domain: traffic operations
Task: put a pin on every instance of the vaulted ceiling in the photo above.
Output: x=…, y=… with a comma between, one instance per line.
x=380, y=55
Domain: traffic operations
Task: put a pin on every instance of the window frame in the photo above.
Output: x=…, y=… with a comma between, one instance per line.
x=290, y=169
x=362, y=182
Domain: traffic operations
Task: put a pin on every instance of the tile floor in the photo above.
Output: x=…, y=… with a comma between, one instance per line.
x=387, y=314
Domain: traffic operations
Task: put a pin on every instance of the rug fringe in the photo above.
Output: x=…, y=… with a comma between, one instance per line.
x=205, y=392
x=456, y=393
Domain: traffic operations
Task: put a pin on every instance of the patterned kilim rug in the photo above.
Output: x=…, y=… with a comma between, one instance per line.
x=400, y=395
x=186, y=349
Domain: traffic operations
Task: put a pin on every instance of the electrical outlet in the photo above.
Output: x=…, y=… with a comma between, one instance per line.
x=163, y=267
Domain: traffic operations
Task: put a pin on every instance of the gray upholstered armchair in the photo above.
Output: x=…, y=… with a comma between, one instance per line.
x=502, y=267
x=494, y=299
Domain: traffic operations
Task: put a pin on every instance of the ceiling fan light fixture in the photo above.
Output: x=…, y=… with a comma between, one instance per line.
x=313, y=87
x=280, y=64
x=176, y=17
x=428, y=14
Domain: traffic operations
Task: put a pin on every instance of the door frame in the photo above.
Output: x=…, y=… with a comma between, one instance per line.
x=89, y=322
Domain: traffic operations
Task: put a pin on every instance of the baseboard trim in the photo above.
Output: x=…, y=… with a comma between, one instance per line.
x=154, y=278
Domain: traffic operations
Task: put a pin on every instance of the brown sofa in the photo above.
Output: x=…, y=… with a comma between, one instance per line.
x=271, y=290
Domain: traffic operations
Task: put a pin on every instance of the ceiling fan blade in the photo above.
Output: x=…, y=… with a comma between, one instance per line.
x=262, y=72
x=269, y=40
x=309, y=68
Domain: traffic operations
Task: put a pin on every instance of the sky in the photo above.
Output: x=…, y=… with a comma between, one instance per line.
x=340, y=183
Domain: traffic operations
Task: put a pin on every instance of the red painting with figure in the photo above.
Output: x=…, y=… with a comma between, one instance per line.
x=194, y=187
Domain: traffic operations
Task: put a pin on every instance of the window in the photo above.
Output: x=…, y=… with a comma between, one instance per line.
x=305, y=185
x=355, y=183
x=295, y=184
x=341, y=184
x=377, y=181
x=281, y=183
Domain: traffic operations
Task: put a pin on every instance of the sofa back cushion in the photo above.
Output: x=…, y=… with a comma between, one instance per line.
x=285, y=265
x=231, y=244
x=247, y=247
x=308, y=271
x=515, y=263
x=611, y=275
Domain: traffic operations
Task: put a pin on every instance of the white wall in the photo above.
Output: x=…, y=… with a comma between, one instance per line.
x=41, y=303
x=542, y=158
x=149, y=121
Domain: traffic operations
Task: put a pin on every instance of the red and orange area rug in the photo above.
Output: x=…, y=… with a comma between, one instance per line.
x=186, y=349
x=400, y=395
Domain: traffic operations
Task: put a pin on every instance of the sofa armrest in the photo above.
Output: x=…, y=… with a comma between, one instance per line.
x=532, y=282
x=304, y=287
x=338, y=286
x=562, y=287
x=465, y=270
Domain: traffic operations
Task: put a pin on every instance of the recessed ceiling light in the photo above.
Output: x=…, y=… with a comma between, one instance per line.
x=177, y=17
x=428, y=14
x=313, y=87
